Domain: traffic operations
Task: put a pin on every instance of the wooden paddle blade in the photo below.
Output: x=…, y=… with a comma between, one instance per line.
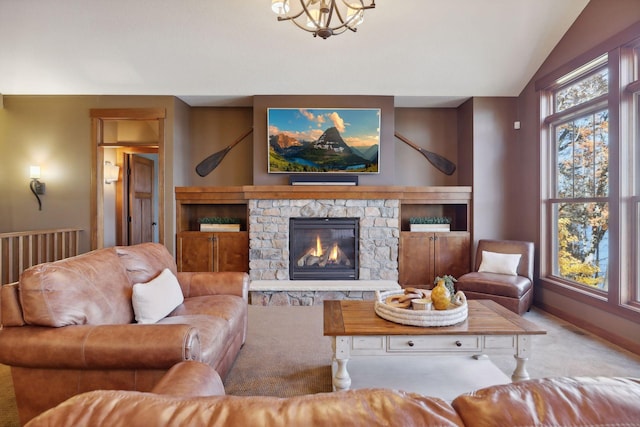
x=443, y=164
x=206, y=166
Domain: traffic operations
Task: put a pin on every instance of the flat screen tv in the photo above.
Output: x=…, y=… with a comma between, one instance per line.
x=324, y=140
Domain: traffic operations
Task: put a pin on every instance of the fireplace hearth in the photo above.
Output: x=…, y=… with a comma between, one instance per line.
x=323, y=248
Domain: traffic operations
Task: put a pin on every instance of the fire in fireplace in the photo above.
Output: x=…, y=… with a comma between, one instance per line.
x=323, y=248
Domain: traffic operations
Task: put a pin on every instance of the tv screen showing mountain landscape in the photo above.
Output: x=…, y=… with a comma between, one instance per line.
x=317, y=140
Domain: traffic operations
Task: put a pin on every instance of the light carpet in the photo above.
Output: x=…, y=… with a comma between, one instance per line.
x=286, y=355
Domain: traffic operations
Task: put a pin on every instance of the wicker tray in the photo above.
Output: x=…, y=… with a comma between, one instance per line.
x=456, y=313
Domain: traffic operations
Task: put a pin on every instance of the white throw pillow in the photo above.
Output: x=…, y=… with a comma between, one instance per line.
x=155, y=299
x=493, y=262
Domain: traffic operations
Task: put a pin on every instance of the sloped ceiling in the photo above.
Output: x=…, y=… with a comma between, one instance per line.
x=217, y=52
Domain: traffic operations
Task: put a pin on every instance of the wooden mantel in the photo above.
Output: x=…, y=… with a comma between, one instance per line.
x=406, y=194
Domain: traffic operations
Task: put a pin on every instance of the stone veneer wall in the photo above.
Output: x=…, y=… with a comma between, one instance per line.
x=379, y=231
x=306, y=298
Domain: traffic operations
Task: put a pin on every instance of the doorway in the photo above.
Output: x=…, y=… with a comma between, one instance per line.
x=130, y=211
x=131, y=206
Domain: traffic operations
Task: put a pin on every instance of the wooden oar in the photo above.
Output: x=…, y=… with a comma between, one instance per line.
x=442, y=164
x=205, y=167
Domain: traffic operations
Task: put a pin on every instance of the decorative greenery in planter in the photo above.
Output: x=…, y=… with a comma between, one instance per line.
x=429, y=220
x=218, y=220
x=219, y=223
x=430, y=223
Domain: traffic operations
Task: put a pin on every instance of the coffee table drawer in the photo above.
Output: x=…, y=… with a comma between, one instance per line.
x=368, y=343
x=433, y=343
x=500, y=342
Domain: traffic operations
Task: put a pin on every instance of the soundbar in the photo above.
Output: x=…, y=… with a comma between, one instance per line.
x=323, y=179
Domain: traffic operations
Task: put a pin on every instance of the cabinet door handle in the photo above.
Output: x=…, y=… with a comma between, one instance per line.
x=411, y=343
x=458, y=344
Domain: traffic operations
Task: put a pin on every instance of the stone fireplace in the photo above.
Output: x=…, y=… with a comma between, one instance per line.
x=378, y=232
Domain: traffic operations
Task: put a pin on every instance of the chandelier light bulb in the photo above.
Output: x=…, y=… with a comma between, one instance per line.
x=280, y=7
x=312, y=18
x=354, y=16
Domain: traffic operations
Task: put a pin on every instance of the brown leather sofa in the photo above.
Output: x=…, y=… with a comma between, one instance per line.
x=69, y=326
x=192, y=394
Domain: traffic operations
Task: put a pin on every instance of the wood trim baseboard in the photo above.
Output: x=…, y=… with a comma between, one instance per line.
x=605, y=334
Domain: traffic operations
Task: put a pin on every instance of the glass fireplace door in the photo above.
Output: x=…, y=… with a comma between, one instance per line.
x=323, y=248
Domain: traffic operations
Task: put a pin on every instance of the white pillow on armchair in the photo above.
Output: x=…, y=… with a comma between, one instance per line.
x=493, y=262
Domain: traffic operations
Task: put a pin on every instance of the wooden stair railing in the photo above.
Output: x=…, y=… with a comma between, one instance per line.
x=23, y=249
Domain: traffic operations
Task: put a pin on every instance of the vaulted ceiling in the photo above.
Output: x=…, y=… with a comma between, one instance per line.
x=217, y=52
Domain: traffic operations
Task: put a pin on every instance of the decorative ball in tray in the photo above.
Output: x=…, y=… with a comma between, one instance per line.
x=414, y=307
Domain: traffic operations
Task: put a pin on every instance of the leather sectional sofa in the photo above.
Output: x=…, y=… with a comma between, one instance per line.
x=192, y=394
x=70, y=326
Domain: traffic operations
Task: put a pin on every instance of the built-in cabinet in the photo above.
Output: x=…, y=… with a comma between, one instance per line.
x=211, y=251
x=201, y=251
x=422, y=256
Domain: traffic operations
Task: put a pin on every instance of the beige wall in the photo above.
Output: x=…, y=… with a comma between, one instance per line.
x=55, y=132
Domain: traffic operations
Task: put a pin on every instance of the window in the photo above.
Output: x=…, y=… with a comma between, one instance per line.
x=591, y=180
x=634, y=176
x=579, y=205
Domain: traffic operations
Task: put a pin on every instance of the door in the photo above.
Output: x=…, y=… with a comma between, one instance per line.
x=199, y=251
x=195, y=251
x=231, y=251
x=451, y=254
x=423, y=256
x=416, y=260
x=140, y=200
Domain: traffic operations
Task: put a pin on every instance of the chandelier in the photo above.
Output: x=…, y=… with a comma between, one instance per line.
x=323, y=18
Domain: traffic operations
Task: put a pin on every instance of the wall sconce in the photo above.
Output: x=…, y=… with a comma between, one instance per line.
x=37, y=187
x=111, y=172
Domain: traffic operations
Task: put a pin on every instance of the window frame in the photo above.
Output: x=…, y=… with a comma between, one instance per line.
x=551, y=121
x=630, y=130
x=623, y=103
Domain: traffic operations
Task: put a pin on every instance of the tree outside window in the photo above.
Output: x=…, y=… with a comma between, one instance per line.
x=580, y=206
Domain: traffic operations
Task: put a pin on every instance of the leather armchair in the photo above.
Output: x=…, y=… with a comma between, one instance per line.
x=512, y=292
